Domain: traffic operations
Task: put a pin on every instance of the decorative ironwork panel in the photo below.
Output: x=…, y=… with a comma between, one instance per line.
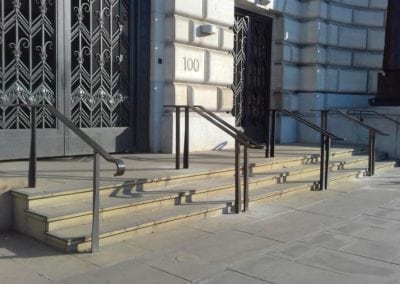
x=100, y=63
x=27, y=61
x=257, y=75
x=241, y=28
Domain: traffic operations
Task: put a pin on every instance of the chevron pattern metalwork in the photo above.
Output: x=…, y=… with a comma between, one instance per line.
x=27, y=61
x=241, y=28
x=100, y=63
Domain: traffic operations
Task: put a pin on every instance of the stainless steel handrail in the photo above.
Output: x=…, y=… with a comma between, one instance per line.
x=97, y=152
x=326, y=138
x=240, y=140
x=366, y=112
x=372, y=131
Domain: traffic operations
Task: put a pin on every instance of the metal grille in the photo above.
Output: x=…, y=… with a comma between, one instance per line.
x=99, y=67
x=241, y=29
x=27, y=61
x=257, y=80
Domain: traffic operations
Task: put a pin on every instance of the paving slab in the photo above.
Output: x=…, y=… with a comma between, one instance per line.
x=291, y=240
x=359, y=268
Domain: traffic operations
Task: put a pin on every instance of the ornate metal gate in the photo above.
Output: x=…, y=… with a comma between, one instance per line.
x=72, y=54
x=252, y=73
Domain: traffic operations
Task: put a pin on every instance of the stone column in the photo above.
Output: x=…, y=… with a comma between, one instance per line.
x=389, y=80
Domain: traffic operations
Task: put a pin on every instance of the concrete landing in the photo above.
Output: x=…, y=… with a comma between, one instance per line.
x=348, y=234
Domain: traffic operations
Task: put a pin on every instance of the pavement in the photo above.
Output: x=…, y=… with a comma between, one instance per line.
x=348, y=234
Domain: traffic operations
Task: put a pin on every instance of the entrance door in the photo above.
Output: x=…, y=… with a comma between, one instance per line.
x=253, y=37
x=77, y=55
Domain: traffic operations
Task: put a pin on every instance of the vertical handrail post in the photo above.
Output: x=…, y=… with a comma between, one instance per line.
x=272, y=138
x=238, y=200
x=267, y=133
x=245, y=178
x=371, y=153
x=177, y=137
x=322, y=163
x=33, y=155
x=327, y=156
x=327, y=140
x=96, y=202
x=186, y=141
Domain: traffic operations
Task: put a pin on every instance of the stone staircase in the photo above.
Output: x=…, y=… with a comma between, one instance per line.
x=62, y=218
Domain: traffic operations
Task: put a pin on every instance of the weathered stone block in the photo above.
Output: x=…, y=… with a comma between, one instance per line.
x=367, y=59
x=372, y=82
x=312, y=78
x=376, y=39
x=333, y=34
x=339, y=57
x=378, y=4
x=189, y=8
x=220, y=11
x=291, y=77
x=352, y=37
x=353, y=81
x=226, y=39
x=340, y=14
x=313, y=54
x=369, y=18
x=198, y=38
x=359, y=3
x=295, y=8
x=311, y=9
x=205, y=96
x=293, y=30
x=177, y=29
x=331, y=80
x=225, y=99
x=184, y=63
x=220, y=66
x=175, y=94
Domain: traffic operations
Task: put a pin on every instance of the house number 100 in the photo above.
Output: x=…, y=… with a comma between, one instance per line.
x=191, y=64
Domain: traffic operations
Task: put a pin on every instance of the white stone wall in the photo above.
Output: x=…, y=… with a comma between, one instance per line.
x=197, y=69
x=328, y=56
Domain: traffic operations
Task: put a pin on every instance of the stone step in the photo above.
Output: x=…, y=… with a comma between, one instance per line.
x=145, y=220
x=75, y=212
x=44, y=196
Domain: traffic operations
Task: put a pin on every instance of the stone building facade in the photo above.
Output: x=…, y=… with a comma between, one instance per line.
x=323, y=54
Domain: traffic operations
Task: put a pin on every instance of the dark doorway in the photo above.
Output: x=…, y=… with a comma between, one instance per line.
x=253, y=38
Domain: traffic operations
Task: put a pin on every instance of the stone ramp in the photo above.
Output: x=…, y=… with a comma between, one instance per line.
x=61, y=215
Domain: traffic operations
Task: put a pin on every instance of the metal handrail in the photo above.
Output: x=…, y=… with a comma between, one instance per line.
x=97, y=152
x=326, y=138
x=372, y=131
x=240, y=140
x=361, y=112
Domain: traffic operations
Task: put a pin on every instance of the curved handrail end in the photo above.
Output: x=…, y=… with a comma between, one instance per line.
x=120, y=167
